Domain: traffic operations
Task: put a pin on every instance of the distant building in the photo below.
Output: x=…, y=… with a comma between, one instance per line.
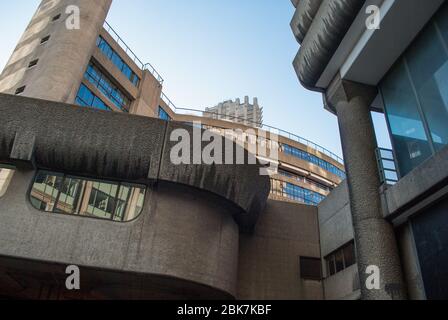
x=245, y=113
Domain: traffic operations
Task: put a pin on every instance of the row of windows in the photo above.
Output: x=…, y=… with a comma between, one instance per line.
x=105, y=85
x=303, y=155
x=86, y=98
x=295, y=193
x=303, y=179
x=341, y=259
x=164, y=115
x=59, y=193
x=110, y=53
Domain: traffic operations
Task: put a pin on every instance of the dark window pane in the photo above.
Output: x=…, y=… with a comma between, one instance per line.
x=349, y=255
x=339, y=260
x=310, y=268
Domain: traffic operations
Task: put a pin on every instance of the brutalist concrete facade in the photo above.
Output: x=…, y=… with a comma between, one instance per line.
x=226, y=242
x=391, y=225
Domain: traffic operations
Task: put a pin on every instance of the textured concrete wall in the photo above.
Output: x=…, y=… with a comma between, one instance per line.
x=198, y=243
x=329, y=26
x=119, y=146
x=66, y=53
x=336, y=230
x=269, y=258
x=335, y=220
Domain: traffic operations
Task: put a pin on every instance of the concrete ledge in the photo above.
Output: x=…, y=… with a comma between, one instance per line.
x=303, y=17
x=328, y=28
x=418, y=185
x=118, y=146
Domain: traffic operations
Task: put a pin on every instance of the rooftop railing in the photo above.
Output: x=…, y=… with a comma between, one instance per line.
x=268, y=128
x=131, y=54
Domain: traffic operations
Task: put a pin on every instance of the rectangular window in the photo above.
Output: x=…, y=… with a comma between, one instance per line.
x=113, y=56
x=416, y=96
x=295, y=193
x=303, y=155
x=44, y=39
x=86, y=98
x=341, y=259
x=59, y=193
x=5, y=178
x=20, y=90
x=164, y=115
x=33, y=63
x=310, y=268
x=105, y=85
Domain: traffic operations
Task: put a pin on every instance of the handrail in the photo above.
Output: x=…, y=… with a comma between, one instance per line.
x=131, y=54
x=388, y=174
x=265, y=127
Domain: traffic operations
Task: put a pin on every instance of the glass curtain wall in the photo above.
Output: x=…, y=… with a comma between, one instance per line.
x=415, y=94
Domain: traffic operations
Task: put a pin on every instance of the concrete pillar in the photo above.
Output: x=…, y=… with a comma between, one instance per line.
x=374, y=236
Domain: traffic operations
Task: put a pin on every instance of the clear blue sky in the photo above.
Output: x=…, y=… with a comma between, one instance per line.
x=212, y=50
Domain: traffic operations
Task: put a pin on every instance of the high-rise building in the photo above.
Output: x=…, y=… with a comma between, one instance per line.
x=245, y=113
x=94, y=186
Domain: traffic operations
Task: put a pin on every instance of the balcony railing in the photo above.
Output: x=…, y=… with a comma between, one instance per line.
x=131, y=54
x=387, y=166
x=268, y=128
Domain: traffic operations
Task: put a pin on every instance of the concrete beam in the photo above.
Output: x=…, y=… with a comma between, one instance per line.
x=117, y=146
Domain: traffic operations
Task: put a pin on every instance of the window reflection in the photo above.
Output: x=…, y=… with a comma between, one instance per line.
x=5, y=179
x=416, y=96
x=60, y=193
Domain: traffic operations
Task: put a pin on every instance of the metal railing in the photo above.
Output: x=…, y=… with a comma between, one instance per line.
x=387, y=166
x=268, y=128
x=131, y=54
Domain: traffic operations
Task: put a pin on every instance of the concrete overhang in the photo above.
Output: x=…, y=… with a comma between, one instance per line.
x=364, y=55
x=338, y=40
x=116, y=146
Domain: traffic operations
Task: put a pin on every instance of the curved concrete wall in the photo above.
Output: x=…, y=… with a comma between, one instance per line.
x=196, y=246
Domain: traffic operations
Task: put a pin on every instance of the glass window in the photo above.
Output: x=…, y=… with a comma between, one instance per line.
x=428, y=65
x=295, y=193
x=341, y=259
x=408, y=132
x=164, y=115
x=303, y=155
x=5, y=178
x=416, y=96
x=58, y=193
x=105, y=85
x=86, y=98
x=118, y=61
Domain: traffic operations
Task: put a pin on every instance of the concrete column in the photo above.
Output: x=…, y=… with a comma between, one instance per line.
x=374, y=236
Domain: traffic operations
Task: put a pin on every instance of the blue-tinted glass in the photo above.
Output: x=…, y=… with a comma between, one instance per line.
x=115, y=58
x=313, y=159
x=164, y=115
x=85, y=95
x=428, y=65
x=407, y=129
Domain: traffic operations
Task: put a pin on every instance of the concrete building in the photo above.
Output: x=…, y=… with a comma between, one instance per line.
x=392, y=207
x=86, y=186
x=245, y=113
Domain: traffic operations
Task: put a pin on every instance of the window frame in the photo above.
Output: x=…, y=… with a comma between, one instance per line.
x=65, y=176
